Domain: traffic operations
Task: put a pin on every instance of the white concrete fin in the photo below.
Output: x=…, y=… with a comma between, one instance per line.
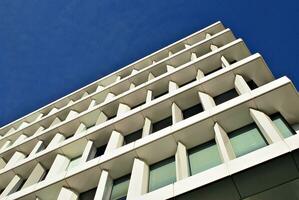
x=177, y=114
x=102, y=118
x=58, y=138
x=55, y=121
x=20, y=139
x=149, y=96
x=213, y=47
x=266, y=125
x=116, y=140
x=12, y=187
x=187, y=46
x=53, y=111
x=99, y=88
x=85, y=94
x=170, y=68
x=23, y=125
x=58, y=167
x=104, y=187
x=199, y=74
x=39, y=116
x=208, y=35
x=225, y=148
x=118, y=78
x=193, y=56
x=241, y=85
x=181, y=162
x=71, y=115
x=122, y=109
x=35, y=176
x=37, y=148
x=6, y=145
x=11, y=130
x=16, y=157
x=172, y=86
x=139, y=179
x=224, y=62
x=206, y=100
x=134, y=71
x=147, y=127
x=70, y=102
x=89, y=151
x=132, y=85
x=92, y=104
x=109, y=96
x=150, y=76
x=80, y=129
x=39, y=130
x=67, y=194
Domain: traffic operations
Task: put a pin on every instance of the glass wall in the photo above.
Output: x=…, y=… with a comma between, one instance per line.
x=247, y=139
x=203, y=157
x=162, y=173
x=120, y=188
x=282, y=125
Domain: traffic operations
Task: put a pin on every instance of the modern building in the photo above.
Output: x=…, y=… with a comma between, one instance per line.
x=202, y=118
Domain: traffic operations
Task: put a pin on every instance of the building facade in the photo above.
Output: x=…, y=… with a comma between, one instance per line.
x=202, y=118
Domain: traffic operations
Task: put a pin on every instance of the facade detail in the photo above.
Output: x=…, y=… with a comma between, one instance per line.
x=202, y=118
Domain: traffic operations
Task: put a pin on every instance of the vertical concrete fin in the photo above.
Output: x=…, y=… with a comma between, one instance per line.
x=241, y=85
x=182, y=164
x=223, y=143
x=139, y=179
x=104, y=187
x=177, y=114
x=116, y=140
x=206, y=100
x=266, y=125
x=147, y=127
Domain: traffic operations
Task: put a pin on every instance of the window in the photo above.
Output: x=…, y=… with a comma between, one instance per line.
x=100, y=151
x=203, y=157
x=74, y=163
x=120, y=188
x=282, y=125
x=189, y=112
x=90, y=194
x=247, y=139
x=225, y=96
x=133, y=136
x=162, y=124
x=162, y=174
x=252, y=85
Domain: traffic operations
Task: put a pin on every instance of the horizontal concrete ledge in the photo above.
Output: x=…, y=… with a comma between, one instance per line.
x=133, y=150
x=128, y=78
x=147, y=84
x=215, y=25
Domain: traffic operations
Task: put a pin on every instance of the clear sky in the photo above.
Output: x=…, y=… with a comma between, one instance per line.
x=49, y=48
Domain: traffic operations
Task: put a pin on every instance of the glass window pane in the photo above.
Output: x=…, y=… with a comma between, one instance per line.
x=120, y=188
x=132, y=137
x=247, y=139
x=203, y=157
x=282, y=126
x=225, y=96
x=74, y=163
x=162, y=174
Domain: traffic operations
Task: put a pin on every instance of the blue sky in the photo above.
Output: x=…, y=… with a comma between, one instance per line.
x=50, y=48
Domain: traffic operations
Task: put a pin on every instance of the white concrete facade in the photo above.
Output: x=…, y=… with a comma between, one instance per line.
x=174, y=104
